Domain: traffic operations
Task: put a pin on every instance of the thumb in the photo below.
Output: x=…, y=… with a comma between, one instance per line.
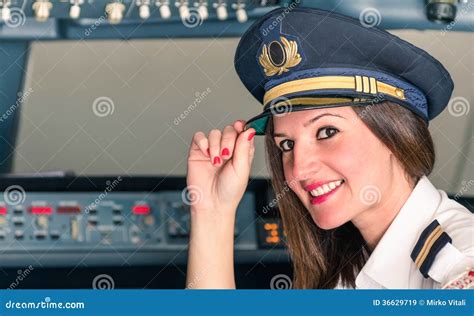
x=243, y=150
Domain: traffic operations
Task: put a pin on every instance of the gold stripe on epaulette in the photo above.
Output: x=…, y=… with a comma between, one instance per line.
x=427, y=246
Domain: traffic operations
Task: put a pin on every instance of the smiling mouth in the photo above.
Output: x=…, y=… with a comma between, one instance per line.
x=326, y=188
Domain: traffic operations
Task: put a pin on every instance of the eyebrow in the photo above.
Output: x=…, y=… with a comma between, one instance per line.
x=311, y=121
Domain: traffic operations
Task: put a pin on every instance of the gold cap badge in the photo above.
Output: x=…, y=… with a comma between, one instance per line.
x=278, y=57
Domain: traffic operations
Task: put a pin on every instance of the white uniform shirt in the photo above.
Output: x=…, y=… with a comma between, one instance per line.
x=390, y=265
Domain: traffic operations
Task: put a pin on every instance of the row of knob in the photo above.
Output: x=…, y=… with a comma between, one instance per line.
x=115, y=10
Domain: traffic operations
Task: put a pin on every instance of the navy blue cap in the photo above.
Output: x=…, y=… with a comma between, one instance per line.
x=304, y=58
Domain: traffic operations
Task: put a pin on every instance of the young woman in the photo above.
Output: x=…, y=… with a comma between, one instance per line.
x=347, y=132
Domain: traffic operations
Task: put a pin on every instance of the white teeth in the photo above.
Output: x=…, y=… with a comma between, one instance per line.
x=323, y=189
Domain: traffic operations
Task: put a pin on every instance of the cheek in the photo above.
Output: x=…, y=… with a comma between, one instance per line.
x=355, y=159
x=290, y=179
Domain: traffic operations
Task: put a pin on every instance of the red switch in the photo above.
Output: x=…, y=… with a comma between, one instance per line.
x=41, y=210
x=3, y=210
x=141, y=209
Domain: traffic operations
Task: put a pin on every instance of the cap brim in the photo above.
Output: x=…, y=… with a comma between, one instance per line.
x=259, y=122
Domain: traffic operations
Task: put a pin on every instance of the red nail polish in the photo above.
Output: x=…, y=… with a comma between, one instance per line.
x=208, y=152
x=217, y=160
x=225, y=152
x=251, y=136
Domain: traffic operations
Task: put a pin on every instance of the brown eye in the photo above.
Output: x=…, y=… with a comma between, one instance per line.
x=286, y=145
x=326, y=132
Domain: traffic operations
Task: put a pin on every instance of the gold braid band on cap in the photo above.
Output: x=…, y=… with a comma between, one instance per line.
x=310, y=101
x=363, y=84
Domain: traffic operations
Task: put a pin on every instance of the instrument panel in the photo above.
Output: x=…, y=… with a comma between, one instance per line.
x=68, y=222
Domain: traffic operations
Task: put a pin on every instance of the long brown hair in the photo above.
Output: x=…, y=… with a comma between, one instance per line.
x=323, y=258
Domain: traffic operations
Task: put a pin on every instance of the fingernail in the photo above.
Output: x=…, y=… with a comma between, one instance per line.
x=208, y=152
x=217, y=160
x=225, y=152
x=251, y=136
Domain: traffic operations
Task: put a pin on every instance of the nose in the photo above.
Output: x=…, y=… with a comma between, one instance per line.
x=306, y=161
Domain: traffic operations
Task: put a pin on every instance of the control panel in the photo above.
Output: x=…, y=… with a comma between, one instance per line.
x=112, y=222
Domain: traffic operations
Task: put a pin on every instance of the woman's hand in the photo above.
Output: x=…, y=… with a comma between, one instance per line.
x=219, y=168
x=218, y=173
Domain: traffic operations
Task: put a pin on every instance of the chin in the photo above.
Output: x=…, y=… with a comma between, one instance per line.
x=328, y=221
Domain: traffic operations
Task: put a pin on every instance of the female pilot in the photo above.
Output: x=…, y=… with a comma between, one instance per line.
x=345, y=119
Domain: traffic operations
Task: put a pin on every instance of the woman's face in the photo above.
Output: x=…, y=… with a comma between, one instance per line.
x=333, y=146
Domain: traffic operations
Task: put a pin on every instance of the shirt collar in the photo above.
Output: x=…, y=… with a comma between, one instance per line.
x=390, y=263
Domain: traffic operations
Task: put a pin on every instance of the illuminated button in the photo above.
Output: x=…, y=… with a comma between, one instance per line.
x=41, y=210
x=141, y=209
x=273, y=240
x=270, y=226
x=67, y=209
x=3, y=210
